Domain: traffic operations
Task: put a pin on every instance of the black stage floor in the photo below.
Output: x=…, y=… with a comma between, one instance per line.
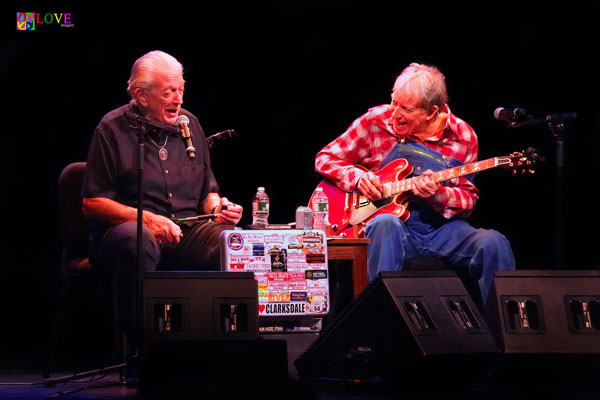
x=29, y=385
x=541, y=378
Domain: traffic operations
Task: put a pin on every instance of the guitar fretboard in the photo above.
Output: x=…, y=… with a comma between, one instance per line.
x=396, y=187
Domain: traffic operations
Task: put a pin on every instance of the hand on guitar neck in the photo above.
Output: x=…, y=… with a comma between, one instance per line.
x=370, y=185
x=424, y=186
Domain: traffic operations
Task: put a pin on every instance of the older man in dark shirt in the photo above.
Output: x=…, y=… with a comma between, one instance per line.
x=175, y=186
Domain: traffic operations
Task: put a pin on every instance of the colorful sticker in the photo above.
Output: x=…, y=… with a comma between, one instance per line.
x=278, y=259
x=298, y=296
x=235, y=241
x=317, y=274
x=258, y=249
x=315, y=258
x=281, y=297
x=312, y=237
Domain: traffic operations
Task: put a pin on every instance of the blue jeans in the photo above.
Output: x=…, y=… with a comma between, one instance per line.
x=476, y=253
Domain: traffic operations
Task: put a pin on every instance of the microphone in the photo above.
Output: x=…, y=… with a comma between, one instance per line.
x=503, y=114
x=183, y=121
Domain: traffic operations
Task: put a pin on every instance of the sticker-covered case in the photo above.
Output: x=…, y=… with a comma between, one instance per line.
x=290, y=267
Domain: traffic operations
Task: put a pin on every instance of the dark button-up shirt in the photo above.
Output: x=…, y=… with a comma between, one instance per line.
x=175, y=187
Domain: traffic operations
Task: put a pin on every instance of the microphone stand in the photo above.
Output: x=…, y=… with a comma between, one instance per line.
x=555, y=123
x=557, y=131
x=141, y=126
x=141, y=131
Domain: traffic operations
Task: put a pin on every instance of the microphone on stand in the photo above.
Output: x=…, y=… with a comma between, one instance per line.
x=229, y=133
x=509, y=115
x=183, y=122
x=551, y=120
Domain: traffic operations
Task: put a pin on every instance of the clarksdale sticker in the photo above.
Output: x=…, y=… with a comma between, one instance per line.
x=284, y=308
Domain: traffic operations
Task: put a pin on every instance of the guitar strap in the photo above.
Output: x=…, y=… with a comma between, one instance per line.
x=423, y=158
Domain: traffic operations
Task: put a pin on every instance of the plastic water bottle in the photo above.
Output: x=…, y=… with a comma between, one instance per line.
x=320, y=208
x=260, y=207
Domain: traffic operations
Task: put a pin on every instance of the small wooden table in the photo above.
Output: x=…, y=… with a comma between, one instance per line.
x=356, y=251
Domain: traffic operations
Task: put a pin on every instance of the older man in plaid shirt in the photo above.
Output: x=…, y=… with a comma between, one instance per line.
x=418, y=126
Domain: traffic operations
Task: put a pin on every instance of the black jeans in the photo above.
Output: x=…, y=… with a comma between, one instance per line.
x=116, y=254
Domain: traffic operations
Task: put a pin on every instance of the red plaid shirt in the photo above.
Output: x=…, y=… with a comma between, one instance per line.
x=368, y=141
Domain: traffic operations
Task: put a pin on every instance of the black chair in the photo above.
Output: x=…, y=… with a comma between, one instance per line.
x=73, y=226
x=79, y=281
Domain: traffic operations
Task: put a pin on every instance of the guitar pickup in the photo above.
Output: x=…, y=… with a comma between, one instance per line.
x=357, y=201
x=363, y=202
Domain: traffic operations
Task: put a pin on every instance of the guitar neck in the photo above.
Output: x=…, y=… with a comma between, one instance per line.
x=444, y=175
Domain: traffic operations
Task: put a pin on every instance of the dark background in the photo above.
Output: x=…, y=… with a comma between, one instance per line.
x=289, y=77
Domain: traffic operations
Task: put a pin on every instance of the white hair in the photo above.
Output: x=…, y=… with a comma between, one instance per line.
x=147, y=66
x=427, y=82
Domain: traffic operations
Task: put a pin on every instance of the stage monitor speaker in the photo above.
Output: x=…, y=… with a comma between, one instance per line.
x=406, y=328
x=554, y=311
x=547, y=324
x=199, y=305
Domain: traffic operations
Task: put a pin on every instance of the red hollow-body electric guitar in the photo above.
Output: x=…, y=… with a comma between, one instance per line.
x=348, y=210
